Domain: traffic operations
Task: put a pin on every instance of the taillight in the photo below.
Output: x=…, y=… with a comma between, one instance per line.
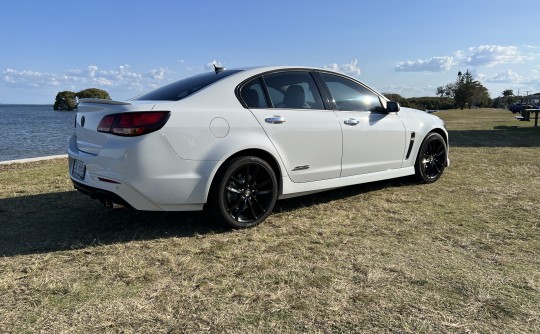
x=133, y=123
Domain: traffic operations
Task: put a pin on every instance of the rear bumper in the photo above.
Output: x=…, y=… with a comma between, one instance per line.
x=100, y=194
x=144, y=175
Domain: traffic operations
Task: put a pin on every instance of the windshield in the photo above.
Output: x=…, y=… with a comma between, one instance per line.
x=182, y=88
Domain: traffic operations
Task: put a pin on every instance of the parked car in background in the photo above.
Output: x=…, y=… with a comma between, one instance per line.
x=235, y=141
x=518, y=107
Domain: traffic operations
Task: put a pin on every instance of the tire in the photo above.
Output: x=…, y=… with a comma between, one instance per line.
x=431, y=158
x=245, y=193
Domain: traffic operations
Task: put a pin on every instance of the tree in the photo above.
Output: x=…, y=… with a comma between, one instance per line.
x=397, y=98
x=422, y=103
x=440, y=91
x=65, y=100
x=508, y=96
x=431, y=103
x=480, y=96
x=447, y=90
x=464, y=89
x=93, y=93
x=466, y=92
x=508, y=92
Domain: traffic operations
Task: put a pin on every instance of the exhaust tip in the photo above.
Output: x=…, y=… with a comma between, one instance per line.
x=110, y=204
x=107, y=202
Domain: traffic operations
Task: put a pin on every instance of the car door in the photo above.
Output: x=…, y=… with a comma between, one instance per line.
x=289, y=107
x=373, y=139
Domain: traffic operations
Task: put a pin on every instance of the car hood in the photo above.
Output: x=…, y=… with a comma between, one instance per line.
x=410, y=112
x=408, y=115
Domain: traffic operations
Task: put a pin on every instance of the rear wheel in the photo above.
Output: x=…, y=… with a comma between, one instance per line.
x=246, y=193
x=431, y=158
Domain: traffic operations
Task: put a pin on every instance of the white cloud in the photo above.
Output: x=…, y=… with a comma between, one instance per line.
x=92, y=71
x=350, y=68
x=481, y=77
x=39, y=79
x=435, y=64
x=459, y=56
x=103, y=81
x=119, y=75
x=122, y=76
x=507, y=76
x=157, y=74
x=483, y=55
x=491, y=55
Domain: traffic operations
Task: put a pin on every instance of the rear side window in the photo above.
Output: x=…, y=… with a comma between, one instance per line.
x=293, y=90
x=180, y=89
x=349, y=95
x=253, y=94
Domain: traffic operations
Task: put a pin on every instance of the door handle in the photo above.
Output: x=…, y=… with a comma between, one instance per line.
x=351, y=121
x=275, y=119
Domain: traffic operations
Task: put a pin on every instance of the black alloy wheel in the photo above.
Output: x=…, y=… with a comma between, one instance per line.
x=247, y=192
x=431, y=158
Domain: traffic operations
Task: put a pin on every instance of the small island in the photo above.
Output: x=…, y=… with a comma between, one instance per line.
x=68, y=101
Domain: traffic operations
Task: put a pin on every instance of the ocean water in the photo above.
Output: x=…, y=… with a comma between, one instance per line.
x=31, y=131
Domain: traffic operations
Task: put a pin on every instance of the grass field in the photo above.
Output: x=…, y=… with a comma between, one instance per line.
x=461, y=255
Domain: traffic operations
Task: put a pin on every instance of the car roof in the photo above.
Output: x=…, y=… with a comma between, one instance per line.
x=262, y=69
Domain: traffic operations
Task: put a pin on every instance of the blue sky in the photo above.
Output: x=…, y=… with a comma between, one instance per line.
x=129, y=47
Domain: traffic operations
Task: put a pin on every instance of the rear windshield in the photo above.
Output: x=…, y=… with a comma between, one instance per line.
x=182, y=88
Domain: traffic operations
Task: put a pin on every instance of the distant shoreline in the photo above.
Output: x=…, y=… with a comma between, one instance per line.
x=22, y=161
x=26, y=104
x=51, y=106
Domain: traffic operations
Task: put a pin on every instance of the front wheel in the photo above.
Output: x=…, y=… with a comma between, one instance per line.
x=246, y=194
x=431, y=158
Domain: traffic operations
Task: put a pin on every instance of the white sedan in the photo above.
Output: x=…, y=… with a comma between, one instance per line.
x=235, y=141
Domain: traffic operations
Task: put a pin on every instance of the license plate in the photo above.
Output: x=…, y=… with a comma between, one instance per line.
x=79, y=169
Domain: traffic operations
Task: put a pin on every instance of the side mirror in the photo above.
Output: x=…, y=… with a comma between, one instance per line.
x=392, y=106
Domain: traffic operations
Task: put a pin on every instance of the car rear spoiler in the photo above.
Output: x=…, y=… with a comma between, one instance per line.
x=105, y=101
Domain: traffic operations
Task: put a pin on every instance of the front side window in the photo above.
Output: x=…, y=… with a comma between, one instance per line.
x=293, y=90
x=349, y=95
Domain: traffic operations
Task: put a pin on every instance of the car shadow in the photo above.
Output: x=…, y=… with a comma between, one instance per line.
x=327, y=196
x=499, y=136
x=69, y=220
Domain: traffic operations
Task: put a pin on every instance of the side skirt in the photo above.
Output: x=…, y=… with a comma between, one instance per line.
x=291, y=189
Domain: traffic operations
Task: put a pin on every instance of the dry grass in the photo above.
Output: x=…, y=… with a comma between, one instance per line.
x=458, y=256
